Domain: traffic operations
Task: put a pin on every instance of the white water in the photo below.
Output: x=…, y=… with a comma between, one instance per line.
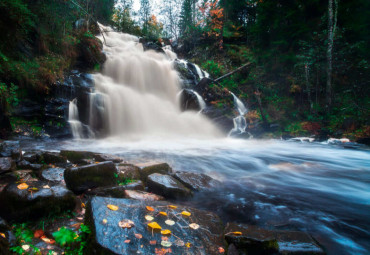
x=240, y=123
x=202, y=103
x=139, y=93
x=74, y=120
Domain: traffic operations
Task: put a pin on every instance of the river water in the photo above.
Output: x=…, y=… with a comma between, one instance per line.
x=321, y=189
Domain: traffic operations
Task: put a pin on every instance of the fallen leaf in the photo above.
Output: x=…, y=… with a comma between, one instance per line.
x=163, y=213
x=138, y=236
x=194, y=225
x=25, y=247
x=105, y=221
x=188, y=245
x=33, y=189
x=3, y=235
x=46, y=187
x=166, y=232
x=179, y=243
x=170, y=222
x=154, y=225
x=113, y=207
x=126, y=223
x=236, y=233
x=221, y=250
x=166, y=243
x=79, y=218
x=22, y=186
x=47, y=240
x=172, y=206
x=76, y=225
x=162, y=251
x=150, y=209
x=38, y=233
x=149, y=218
x=83, y=205
x=164, y=238
x=185, y=213
x=153, y=242
x=127, y=241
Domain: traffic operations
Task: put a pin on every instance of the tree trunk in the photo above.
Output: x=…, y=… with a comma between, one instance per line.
x=308, y=87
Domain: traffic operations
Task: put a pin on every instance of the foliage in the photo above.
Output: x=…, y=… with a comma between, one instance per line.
x=23, y=238
x=123, y=181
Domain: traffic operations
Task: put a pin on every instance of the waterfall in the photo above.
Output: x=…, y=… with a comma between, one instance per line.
x=240, y=123
x=202, y=103
x=74, y=120
x=137, y=93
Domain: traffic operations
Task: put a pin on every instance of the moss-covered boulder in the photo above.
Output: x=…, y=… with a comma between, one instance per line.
x=106, y=157
x=128, y=171
x=52, y=158
x=77, y=157
x=167, y=186
x=40, y=199
x=6, y=165
x=80, y=179
x=149, y=168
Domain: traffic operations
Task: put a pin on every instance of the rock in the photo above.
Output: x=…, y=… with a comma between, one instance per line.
x=148, y=45
x=113, y=191
x=3, y=225
x=6, y=165
x=128, y=171
x=21, y=204
x=195, y=181
x=53, y=158
x=189, y=101
x=109, y=238
x=256, y=240
x=142, y=195
x=24, y=175
x=23, y=164
x=153, y=167
x=36, y=167
x=105, y=157
x=53, y=174
x=364, y=140
x=137, y=185
x=32, y=157
x=80, y=179
x=77, y=157
x=167, y=186
x=11, y=149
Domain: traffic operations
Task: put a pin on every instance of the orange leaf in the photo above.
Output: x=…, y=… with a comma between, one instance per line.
x=3, y=235
x=127, y=241
x=221, y=250
x=236, y=233
x=38, y=233
x=153, y=242
x=163, y=213
x=138, y=236
x=172, y=206
x=166, y=232
x=47, y=240
x=22, y=186
x=151, y=209
x=186, y=213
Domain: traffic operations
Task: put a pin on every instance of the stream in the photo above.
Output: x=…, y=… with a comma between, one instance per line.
x=321, y=189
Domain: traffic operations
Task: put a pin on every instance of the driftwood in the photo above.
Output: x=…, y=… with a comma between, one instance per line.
x=232, y=72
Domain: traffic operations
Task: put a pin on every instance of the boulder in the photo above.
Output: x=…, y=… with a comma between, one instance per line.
x=189, y=101
x=11, y=149
x=80, y=179
x=142, y=195
x=34, y=202
x=32, y=157
x=167, y=186
x=52, y=158
x=109, y=238
x=55, y=174
x=23, y=164
x=6, y=165
x=24, y=175
x=256, y=240
x=149, y=168
x=195, y=181
x=105, y=157
x=128, y=171
x=116, y=191
x=3, y=225
x=77, y=157
x=137, y=185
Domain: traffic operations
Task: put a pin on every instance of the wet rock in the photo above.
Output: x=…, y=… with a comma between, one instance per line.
x=3, y=225
x=109, y=238
x=6, y=165
x=4, y=245
x=11, y=149
x=113, y=191
x=189, y=101
x=22, y=204
x=167, y=186
x=105, y=157
x=80, y=179
x=153, y=167
x=24, y=175
x=128, y=171
x=148, y=45
x=53, y=174
x=23, y=164
x=256, y=240
x=77, y=157
x=195, y=181
x=36, y=167
x=32, y=157
x=53, y=158
x=142, y=195
x=137, y=185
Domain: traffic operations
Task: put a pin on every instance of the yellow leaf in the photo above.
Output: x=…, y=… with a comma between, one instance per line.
x=105, y=221
x=188, y=245
x=150, y=209
x=154, y=225
x=236, y=233
x=149, y=218
x=2, y=234
x=172, y=206
x=22, y=186
x=186, y=213
x=83, y=205
x=113, y=207
x=163, y=213
x=166, y=232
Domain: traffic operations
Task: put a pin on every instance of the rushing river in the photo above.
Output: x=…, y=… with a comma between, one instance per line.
x=321, y=189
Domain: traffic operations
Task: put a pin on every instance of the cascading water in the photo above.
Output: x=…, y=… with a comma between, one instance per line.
x=240, y=123
x=74, y=120
x=202, y=103
x=137, y=94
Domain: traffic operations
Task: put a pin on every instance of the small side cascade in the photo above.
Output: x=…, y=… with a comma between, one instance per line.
x=240, y=123
x=202, y=103
x=74, y=120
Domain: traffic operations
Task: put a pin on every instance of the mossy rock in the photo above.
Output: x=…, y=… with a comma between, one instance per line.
x=153, y=168
x=77, y=157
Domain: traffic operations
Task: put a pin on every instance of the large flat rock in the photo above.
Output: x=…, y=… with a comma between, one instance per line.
x=196, y=181
x=109, y=237
x=167, y=186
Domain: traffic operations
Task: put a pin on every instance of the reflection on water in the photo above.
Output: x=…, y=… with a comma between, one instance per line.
x=321, y=189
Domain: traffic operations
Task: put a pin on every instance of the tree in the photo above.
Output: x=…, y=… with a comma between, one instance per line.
x=186, y=18
x=171, y=11
x=145, y=11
